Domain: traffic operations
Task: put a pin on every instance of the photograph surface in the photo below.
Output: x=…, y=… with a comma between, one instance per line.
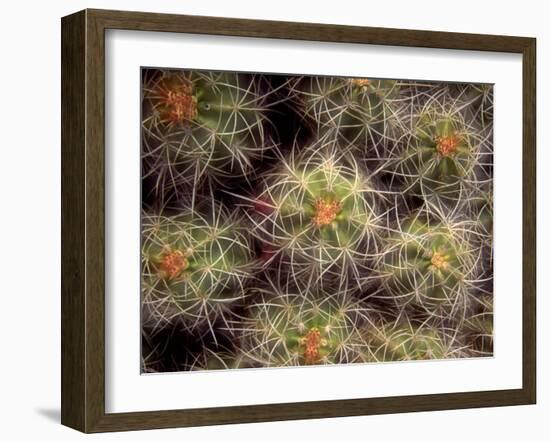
x=294, y=220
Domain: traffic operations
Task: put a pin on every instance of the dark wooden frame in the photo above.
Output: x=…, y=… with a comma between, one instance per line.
x=83, y=215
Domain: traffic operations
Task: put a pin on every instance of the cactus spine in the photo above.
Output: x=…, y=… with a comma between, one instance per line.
x=297, y=221
x=201, y=126
x=320, y=215
x=195, y=265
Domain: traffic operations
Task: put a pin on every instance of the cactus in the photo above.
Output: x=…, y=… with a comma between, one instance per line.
x=355, y=111
x=287, y=328
x=397, y=341
x=319, y=215
x=195, y=265
x=201, y=126
x=479, y=208
x=297, y=221
x=220, y=359
x=479, y=327
x=440, y=160
x=430, y=264
x=151, y=359
x=479, y=101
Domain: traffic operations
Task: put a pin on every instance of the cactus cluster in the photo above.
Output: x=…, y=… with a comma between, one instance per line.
x=307, y=220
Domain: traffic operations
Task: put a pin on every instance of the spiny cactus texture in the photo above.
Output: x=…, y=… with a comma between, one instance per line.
x=355, y=111
x=217, y=358
x=195, y=265
x=201, y=126
x=312, y=220
x=444, y=155
x=479, y=326
x=319, y=217
x=430, y=264
x=406, y=342
x=286, y=328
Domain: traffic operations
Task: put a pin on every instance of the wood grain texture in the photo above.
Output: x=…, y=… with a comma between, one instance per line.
x=73, y=252
x=529, y=220
x=143, y=21
x=83, y=218
x=95, y=220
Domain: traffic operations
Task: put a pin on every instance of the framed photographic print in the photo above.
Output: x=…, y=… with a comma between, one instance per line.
x=266, y=220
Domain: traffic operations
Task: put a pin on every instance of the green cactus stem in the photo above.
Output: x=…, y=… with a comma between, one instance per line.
x=429, y=264
x=406, y=342
x=195, y=264
x=479, y=327
x=292, y=329
x=439, y=162
x=319, y=215
x=201, y=126
x=355, y=111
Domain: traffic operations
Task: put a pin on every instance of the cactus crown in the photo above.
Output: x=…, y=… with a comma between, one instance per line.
x=429, y=263
x=325, y=211
x=172, y=263
x=202, y=127
x=324, y=217
x=174, y=100
x=290, y=329
x=193, y=261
